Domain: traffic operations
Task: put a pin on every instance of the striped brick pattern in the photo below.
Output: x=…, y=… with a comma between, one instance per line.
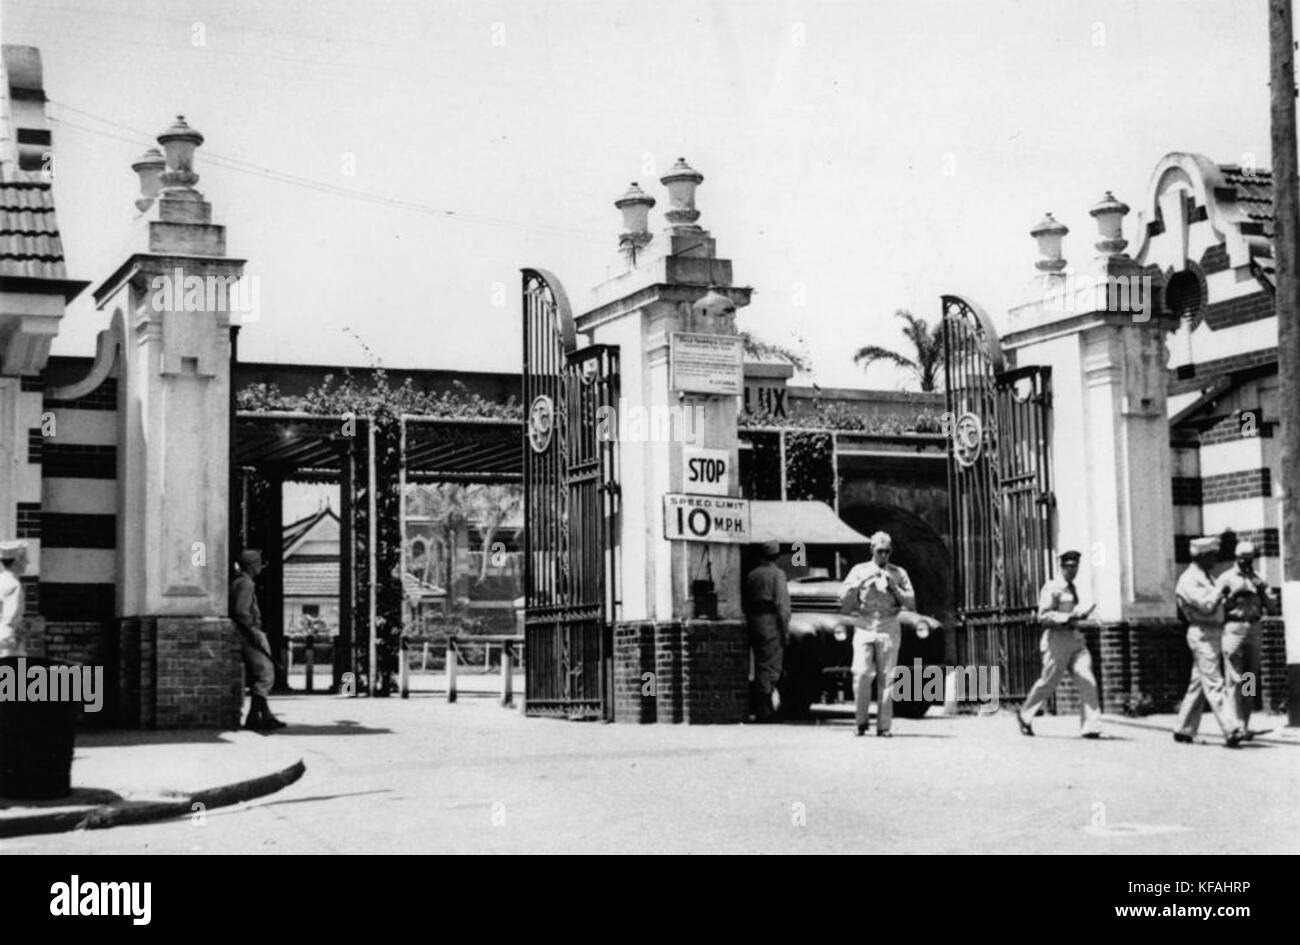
x=1201, y=374
x=78, y=517
x=79, y=460
x=1242, y=424
x=1239, y=311
x=1187, y=490
x=1244, y=484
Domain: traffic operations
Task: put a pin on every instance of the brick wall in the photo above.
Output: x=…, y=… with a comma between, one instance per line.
x=1141, y=668
x=1243, y=484
x=634, y=656
x=1239, y=311
x=199, y=682
x=716, y=677
x=1187, y=490
x=1272, y=690
x=1205, y=370
x=701, y=671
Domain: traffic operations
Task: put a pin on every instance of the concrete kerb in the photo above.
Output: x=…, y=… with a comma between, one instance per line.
x=122, y=812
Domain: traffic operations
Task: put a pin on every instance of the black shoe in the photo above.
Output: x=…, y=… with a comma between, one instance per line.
x=270, y=721
x=1091, y=735
x=862, y=730
x=1248, y=736
x=1234, y=739
x=1183, y=739
x=885, y=734
x=1025, y=727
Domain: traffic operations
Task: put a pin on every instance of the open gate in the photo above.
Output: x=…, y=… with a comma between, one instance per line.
x=570, y=509
x=1000, y=498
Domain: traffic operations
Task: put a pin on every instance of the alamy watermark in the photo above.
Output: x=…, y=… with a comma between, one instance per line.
x=1068, y=294
x=660, y=423
x=179, y=292
x=40, y=683
x=969, y=683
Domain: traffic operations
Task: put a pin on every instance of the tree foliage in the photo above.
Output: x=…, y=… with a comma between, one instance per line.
x=925, y=360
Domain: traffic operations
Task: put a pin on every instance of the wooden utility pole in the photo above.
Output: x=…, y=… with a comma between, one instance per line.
x=1286, y=214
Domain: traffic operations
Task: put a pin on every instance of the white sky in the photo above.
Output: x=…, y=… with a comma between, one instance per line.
x=824, y=162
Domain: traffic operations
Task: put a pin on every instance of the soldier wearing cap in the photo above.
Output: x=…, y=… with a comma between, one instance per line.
x=1201, y=599
x=875, y=591
x=766, y=600
x=12, y=598
x=1246, y=592
x=1064, y=649
x=258, y=663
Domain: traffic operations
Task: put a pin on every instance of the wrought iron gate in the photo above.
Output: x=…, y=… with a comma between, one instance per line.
x=570, y=509
x=1000, y=499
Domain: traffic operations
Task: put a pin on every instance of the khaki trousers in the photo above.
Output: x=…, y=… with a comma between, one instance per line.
x=1207, y=684
x=875, y=653
x=1241, y=656
x=259, y=671
x=1065, y=649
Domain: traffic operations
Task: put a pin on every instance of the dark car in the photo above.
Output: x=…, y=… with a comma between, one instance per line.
x=819, y=650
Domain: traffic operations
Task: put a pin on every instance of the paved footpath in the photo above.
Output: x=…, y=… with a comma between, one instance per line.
x=421, y=775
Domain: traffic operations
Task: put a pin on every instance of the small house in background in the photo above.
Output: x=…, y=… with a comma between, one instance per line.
x=311, y=574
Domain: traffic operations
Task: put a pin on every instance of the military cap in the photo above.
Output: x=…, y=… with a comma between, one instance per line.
x=771, y=549
x=1070, y=555
x=1206, y=545
x=1245, y=549
x=881, y=540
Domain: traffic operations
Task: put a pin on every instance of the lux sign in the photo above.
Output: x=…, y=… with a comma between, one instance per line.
x=759, y=398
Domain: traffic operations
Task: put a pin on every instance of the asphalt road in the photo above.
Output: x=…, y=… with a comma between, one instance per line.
x=424, y=776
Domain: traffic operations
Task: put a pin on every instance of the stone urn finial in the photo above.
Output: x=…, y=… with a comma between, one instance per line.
x=1110, y=214
x=1049, y=234
x=681, y=181
x=635, y=205
x=179, y=143
x=149, y=168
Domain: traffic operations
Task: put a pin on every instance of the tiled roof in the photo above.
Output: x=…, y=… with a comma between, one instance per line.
x=29, y=232
x=311, y=579
x=1253, y=191
x=296, y=530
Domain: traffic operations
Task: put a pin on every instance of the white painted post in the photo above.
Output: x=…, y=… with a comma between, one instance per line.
x=404, y=670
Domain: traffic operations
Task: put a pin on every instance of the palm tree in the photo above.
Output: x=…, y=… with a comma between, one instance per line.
x=927, y=343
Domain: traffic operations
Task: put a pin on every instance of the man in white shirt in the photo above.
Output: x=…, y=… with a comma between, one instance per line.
x=1201, y=599
x=12, y=599
x=875, y=591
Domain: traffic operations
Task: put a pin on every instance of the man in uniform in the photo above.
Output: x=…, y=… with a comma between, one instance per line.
x=256, y=648
x=875, y=591
x=1201, y=601
x=766, y=600
x=1064, y=649
x=1245, y=592
x=12, y=599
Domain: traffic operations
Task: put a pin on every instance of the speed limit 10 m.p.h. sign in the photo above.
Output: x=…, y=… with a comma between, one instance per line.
x=706, y=518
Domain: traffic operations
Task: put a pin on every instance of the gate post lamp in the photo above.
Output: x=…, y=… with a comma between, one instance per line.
x=681, y=181
x=1109, y=214
x=179, y=142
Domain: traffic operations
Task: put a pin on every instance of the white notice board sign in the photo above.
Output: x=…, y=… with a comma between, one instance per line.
x=707, y=364
x=706, y=518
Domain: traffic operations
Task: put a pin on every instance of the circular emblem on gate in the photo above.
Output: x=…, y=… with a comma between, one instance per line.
x=967, y=439
x=541, y=423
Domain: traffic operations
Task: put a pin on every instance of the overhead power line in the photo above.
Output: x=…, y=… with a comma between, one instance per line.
x=238, y=165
